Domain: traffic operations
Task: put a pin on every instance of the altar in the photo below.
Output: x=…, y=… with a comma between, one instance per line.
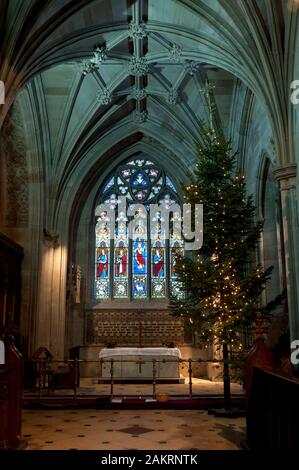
x=138, y=363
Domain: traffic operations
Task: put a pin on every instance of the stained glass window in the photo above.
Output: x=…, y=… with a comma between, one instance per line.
x=138, y=265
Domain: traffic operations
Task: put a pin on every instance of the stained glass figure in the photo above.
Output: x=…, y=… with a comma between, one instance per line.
x=158, y=262
x=120, y=261
x=102, y=232
x=120, y=284
x=158, y=256
x=139, y=258
x=102, y=263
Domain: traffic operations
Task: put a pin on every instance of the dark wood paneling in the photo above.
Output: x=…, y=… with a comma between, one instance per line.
x=11, y=256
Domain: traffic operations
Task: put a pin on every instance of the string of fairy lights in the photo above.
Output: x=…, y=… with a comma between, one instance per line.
x=228, y=302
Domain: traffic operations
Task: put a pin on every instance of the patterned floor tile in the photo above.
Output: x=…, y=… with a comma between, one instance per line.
x=86, y=432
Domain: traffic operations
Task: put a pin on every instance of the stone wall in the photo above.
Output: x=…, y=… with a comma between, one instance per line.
x=133, y=327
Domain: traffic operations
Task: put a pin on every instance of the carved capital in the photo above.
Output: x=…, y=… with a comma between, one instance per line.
x=51, y=239
x=286, y=175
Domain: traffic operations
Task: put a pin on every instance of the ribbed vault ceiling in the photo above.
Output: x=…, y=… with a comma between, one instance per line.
x=153, y=58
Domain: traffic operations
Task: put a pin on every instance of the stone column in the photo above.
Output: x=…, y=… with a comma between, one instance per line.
x=52, y=296
x=286, y=177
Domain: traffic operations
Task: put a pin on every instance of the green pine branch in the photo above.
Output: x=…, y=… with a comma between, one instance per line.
x=223, y=288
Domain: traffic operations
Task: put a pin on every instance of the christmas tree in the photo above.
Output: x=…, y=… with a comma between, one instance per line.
x=222, y=283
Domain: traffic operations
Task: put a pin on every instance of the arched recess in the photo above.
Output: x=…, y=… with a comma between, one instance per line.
x=231, y=35
x=81, y=226
x=271, y=245
x=58, y=201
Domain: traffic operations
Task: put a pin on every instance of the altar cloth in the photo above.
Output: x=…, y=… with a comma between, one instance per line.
x=167, y=365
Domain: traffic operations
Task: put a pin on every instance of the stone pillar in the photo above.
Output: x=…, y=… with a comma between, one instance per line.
x=286, y=177
x=52, y=296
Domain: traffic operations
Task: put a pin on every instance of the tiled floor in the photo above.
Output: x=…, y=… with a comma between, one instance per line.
x=130, y=429
x=200, y=387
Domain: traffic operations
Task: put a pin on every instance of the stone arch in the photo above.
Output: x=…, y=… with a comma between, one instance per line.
x=269, y=212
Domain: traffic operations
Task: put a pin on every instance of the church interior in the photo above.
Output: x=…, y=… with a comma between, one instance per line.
x=103, y=101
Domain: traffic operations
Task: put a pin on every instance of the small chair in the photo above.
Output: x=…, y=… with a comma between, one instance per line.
x=66, y=376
